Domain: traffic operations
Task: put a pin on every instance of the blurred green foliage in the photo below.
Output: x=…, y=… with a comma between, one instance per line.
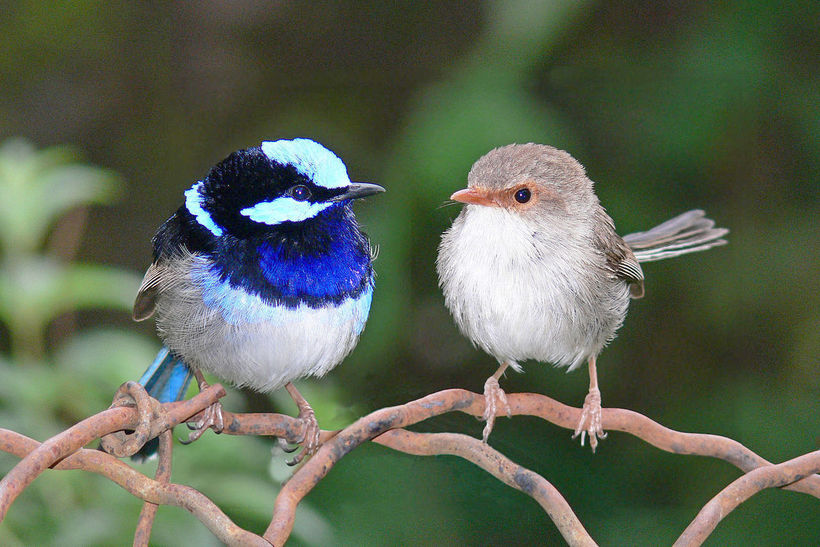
x=38, y=188
x=42, y=391
x=669, y=106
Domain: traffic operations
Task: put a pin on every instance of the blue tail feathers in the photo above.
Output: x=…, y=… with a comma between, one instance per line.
x=166, y=380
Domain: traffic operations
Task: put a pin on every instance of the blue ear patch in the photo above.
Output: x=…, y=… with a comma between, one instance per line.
x=311, y=159
x=193, y=202
x=283, y=209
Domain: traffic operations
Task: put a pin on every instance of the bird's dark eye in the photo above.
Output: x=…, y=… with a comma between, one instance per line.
x=300, y=192
x=523, y=195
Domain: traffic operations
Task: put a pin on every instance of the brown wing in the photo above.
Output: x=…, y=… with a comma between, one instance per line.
x=619, y=257
x=629, y=269
x=147, y=295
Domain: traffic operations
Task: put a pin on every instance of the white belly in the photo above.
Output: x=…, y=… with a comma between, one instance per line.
x=239, y=338
x=518, y=297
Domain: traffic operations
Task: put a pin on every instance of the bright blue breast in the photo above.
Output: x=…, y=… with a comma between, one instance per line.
x=239, y=307
x=320, y=262
x=329, y=276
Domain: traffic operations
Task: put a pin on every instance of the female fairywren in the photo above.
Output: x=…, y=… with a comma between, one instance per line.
x=532, y=267
x=261, y=277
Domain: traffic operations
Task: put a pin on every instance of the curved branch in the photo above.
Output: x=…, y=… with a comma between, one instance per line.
x=669, y=440
x=145, y=522
x=363, y=429
x=380, y=421
x=142, y=487
x=339, y=443
x=743, y=488
x=56, y=448
x=114, y=419
x=498, y=465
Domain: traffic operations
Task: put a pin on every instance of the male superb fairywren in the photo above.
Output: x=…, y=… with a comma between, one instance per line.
x=261, y=277
x=532, y=267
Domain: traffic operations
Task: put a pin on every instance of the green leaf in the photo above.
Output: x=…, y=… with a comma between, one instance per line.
x=40, y=186
x=37, y=289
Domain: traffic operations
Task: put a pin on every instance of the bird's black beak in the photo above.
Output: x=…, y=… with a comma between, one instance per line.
x=358, y=190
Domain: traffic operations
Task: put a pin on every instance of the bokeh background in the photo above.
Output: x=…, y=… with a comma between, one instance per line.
x=669, y=105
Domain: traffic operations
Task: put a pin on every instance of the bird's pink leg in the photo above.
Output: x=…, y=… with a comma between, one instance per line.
x=310, y=437
x=590, y=421
x=211, y=417
x=493, y=395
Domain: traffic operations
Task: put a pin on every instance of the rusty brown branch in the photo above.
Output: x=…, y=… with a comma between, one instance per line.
x=145, y=522
x=152, y=418
x=669, y=440
x=363, y=429
x=378, y=422
x=498, y=465
x=55, y=449
x=158, y=418
x=771, y=476
x=112, y=420
x=142, y=487
x=271, y=425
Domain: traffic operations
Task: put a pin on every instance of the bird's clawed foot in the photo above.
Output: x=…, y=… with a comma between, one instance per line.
x=310, y=434
x=310, y=427
x=493, y=396
x=590, y=421
x=211, y=419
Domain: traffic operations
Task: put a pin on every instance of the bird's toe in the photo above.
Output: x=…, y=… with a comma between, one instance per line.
x=590, y=422
x=211, y=418
x=310, y=437
x=493, y=396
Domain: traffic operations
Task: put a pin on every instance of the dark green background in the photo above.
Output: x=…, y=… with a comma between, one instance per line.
x=669, y=105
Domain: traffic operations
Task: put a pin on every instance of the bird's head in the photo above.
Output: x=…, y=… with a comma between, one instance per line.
x=280, y=183
x=536, y=181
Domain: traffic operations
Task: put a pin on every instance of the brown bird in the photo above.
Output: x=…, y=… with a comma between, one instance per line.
x=532, y=267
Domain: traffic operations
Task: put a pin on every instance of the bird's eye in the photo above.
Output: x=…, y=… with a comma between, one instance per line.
x=523, y=195
x=300, y=192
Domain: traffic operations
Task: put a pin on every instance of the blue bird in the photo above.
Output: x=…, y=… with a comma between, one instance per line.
x=261, y=277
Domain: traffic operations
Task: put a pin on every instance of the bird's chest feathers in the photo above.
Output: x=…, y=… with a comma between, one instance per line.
x=509, y=260
x=334, y=274
x=519, y=293
x=289, y=273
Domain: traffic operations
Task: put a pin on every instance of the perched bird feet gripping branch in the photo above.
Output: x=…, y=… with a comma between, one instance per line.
x=310, y=426
x=493, y=397
x=590, y=421
x=211, y=417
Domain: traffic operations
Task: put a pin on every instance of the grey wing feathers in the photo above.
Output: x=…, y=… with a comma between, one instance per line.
x=686, y=233
x=147, y=295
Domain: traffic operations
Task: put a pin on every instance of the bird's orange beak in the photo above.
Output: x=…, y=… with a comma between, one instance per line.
x=474, y=196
